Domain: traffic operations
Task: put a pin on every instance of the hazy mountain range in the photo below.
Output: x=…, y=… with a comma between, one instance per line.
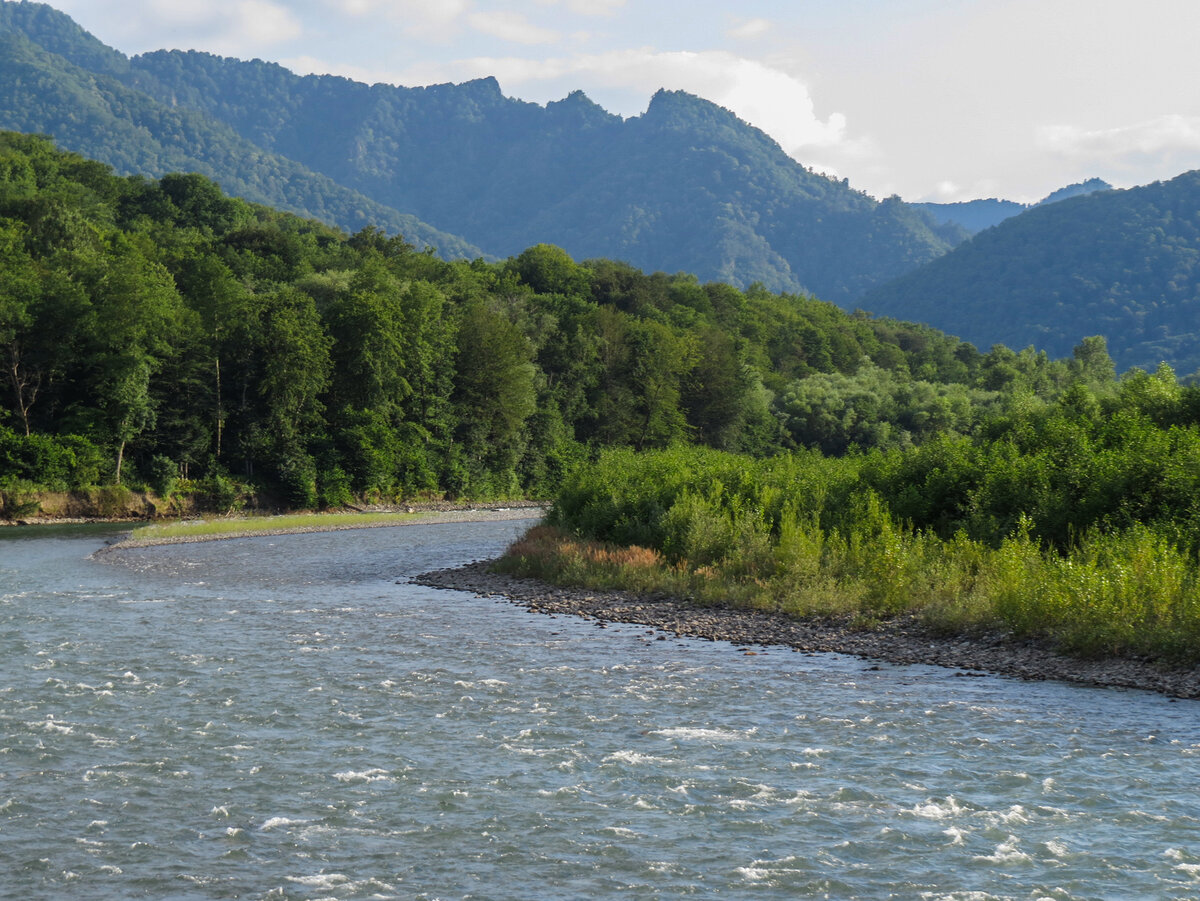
x=687, y=186
x=976, y=215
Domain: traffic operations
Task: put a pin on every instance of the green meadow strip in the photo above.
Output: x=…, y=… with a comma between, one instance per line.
x=215, y=528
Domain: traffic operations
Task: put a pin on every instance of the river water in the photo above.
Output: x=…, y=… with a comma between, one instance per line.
x=287, y=717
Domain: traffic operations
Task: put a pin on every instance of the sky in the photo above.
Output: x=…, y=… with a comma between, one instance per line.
x=943, y=100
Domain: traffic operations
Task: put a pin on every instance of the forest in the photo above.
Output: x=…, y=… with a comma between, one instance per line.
x=161, y=333
x=1125, y=262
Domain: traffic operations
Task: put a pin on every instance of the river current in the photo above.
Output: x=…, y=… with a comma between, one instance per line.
x=289, y=717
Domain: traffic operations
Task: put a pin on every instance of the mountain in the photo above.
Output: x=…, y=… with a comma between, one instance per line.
x=976, y=215
x=687, y=186
x=1124, y=264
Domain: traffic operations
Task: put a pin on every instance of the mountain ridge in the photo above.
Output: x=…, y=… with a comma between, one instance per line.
x=686, y=186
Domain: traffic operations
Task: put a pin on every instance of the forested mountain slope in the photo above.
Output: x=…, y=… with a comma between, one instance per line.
x=1122, y=264
x=55, y=79
x=685, y=187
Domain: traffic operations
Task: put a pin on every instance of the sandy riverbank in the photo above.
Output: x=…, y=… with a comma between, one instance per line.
x=898, y=641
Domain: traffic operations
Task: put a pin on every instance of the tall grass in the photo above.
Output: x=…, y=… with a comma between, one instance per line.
x=803, y=535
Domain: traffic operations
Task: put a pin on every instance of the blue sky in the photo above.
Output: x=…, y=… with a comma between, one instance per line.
x=930, y=100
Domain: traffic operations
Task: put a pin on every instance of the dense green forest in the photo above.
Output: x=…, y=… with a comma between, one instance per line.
x=155, y=330
x=1125, y=263
x=58, y=80
x=685, y=187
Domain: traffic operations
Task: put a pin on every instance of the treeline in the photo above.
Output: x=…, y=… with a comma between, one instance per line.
x=159, y=332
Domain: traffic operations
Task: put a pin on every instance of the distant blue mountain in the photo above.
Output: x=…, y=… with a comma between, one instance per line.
x=976, y=215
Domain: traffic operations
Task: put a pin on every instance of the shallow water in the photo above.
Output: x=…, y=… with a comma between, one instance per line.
x=277, y=717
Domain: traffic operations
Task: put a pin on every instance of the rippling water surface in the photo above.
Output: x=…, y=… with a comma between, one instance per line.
x=286, y=718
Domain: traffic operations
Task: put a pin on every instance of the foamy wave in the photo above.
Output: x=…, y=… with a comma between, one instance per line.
x=697, y=733
x=371, y=775
x=633, y=757
x=320, y=880
x=1006, y=852
x=938, y=810
x=276, y=822
x=1057, y=848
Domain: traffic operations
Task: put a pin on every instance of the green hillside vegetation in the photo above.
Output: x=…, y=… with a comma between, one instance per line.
x=56, y=79
x=685, y=187
x=1122, y=264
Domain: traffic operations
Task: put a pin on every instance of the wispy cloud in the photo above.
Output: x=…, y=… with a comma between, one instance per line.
x=511, y=26
x=233, y=27
x=750, y=28
x=586, y=7
x=1162, y=135
x=440, y=19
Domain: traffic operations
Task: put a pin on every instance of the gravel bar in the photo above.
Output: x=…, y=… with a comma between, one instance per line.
x=902, y=640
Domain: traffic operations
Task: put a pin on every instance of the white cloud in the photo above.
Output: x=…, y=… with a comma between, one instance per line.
x=311, y=65
x=510, y=26
x=232, y=27
x=587, y=7
x=440, y=18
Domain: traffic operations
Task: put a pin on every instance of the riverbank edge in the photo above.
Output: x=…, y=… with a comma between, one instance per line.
x=431, y=514
x=899, y=641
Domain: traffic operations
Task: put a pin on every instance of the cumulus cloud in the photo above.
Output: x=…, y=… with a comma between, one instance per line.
x=587, y=7
x=767, y=98
x=1130, y=154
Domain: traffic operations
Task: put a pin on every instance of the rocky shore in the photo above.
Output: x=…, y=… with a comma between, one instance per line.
x=896, y=641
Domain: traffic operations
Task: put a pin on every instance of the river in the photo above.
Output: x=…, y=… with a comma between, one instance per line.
x=288, y=717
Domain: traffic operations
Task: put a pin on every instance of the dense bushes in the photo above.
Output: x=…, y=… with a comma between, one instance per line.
x=1081, y=529
x=56, y=462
